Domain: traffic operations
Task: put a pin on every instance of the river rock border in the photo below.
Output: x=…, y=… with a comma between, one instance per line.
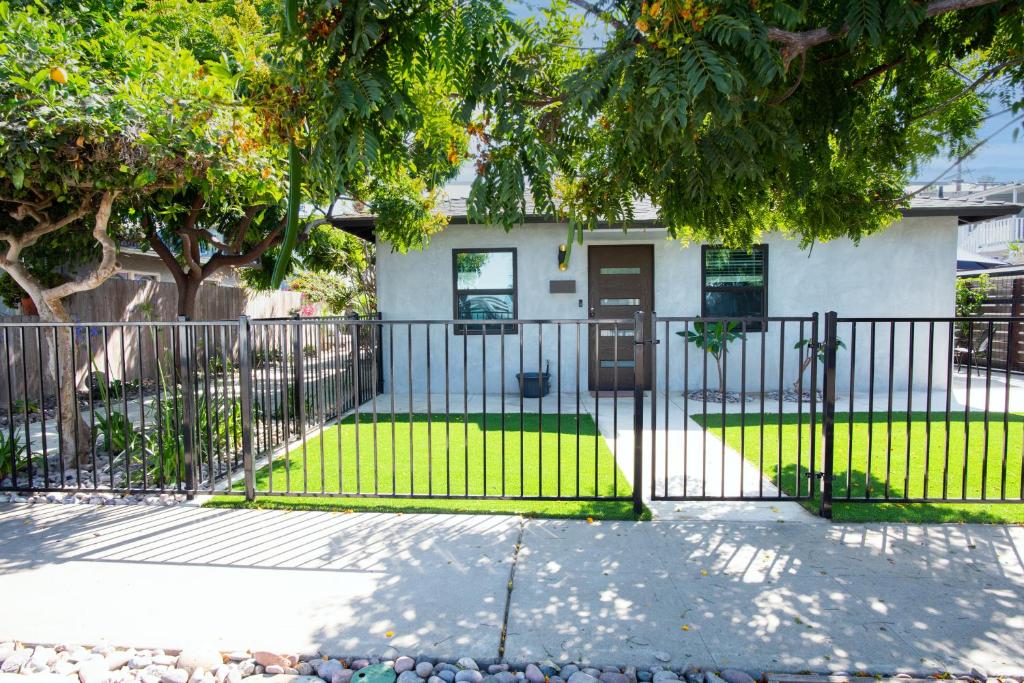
x=94, y=498
x=107, y=664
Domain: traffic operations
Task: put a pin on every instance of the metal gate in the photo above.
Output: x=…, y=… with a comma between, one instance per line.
x=733, y=410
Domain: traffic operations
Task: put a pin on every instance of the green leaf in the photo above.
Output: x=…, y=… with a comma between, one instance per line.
x=291, y=231
x=144, y=178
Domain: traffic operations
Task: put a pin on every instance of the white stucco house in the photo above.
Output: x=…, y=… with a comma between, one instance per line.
x=481, y=272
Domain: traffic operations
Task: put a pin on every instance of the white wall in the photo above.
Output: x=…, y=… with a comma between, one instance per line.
x=907, y=270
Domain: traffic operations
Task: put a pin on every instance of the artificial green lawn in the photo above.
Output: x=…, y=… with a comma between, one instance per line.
x=456, y=456
x=906, y=468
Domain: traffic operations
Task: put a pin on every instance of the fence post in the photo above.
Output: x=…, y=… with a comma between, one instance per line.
x=187, y=403
x=380, y=353
x=813, y=350
x=828, y=426
x=245, y=389
x=300, y=384
x=638, y=410
x=1013, y=336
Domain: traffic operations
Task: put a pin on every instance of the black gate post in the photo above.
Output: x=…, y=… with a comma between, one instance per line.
x=245, y=389
x=380, y=352
x=187, y=403
x=638, y=410
x=299, y=360
x=828, y=426
x=813, y=349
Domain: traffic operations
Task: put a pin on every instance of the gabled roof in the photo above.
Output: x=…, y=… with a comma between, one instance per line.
x=645, y=214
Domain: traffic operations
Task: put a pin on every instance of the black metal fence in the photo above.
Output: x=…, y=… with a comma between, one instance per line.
x=157, y=407
x=316, y=407
x=671, y=408
x=918, y=410
x=738, y=408
x=451, y=409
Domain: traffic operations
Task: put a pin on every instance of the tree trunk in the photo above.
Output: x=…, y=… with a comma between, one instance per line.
x=75, y=434
x=188, y=295
x=721, y=378
x=804, y=364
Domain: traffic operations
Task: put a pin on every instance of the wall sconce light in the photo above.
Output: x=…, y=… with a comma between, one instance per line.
x=562, y=256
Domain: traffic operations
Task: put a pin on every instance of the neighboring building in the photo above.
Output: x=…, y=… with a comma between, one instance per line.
x=998, y=237
x=144, y=264
x=482, y=272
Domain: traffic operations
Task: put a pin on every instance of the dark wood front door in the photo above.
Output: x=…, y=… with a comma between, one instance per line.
x=621, y=282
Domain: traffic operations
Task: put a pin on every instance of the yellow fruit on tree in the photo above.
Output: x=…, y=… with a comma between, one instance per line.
x=58, y=74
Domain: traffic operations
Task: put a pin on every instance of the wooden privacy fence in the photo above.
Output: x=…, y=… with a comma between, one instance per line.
x=1007, y=341
x=121, y=352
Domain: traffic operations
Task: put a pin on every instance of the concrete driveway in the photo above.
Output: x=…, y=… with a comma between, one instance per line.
x=765, y=595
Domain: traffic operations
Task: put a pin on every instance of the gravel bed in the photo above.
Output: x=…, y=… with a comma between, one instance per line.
x=789, y=395
x=792, y=396
x=91, y=498
x=106, y=664
x=714, y=396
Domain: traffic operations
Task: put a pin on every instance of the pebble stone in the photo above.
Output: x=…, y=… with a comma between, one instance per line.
x=534, y=674
x=174, y=676
x=568, y=670
x=342, y=676
x=469, y=676
x=736, y=676
x=69, y=663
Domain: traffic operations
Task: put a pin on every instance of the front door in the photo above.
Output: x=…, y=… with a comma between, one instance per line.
x=621, y=282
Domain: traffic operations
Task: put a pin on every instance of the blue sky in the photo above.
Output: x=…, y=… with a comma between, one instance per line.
x=1001, y=158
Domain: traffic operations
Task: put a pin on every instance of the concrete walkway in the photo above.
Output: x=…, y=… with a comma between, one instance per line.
x=761, y=595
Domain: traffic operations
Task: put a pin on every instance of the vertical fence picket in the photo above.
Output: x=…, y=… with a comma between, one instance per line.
x=638, y=410
x=828, y=426
x=245, y=391
x=186, y=379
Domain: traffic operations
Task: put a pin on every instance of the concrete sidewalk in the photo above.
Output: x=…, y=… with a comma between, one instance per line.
x=761, y=595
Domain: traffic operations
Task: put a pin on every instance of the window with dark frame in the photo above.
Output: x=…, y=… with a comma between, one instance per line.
x=484, y=283
x=734, y=284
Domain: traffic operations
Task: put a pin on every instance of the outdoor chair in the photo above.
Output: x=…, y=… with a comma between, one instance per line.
x=968, y=355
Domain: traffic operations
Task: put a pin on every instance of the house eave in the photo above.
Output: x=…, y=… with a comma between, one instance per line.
x=363, y=226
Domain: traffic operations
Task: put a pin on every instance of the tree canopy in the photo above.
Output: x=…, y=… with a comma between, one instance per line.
x=95, y=117
x=737, y=117
x=734, y=117
x=376, y=102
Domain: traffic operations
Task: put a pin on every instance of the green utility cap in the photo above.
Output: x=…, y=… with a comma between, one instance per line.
x=375, y=673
